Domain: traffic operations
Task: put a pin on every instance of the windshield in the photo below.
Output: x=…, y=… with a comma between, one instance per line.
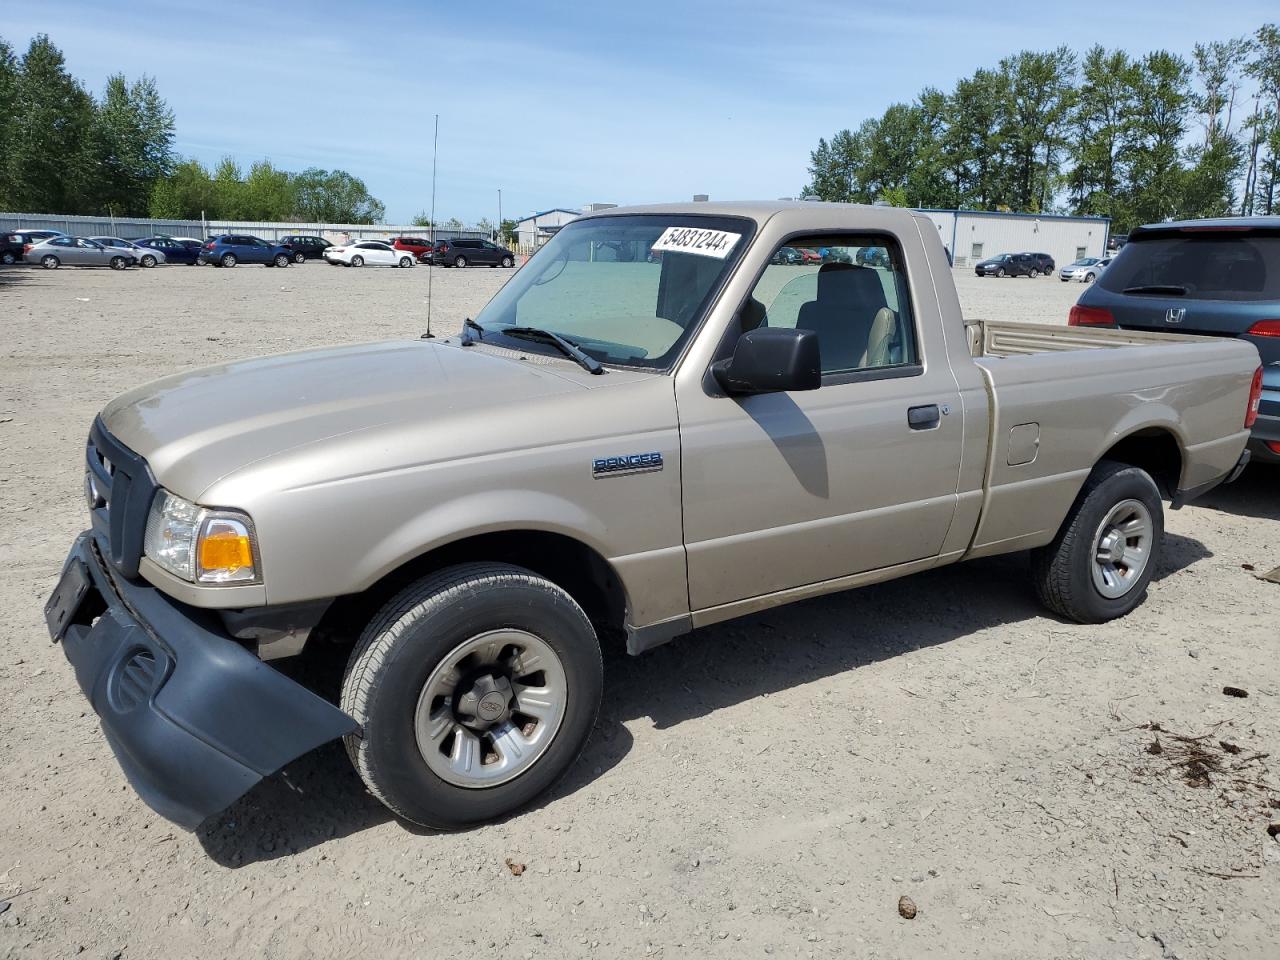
x=1086, y=262
x=626, y=289
x=1231, y=266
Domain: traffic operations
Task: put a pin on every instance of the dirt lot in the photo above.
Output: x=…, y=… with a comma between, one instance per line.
x=770, y=786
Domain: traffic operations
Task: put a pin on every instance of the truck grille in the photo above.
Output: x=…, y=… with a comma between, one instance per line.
x=119, y=487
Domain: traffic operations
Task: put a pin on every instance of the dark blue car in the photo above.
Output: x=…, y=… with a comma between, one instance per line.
x=231, y=248
x=1218, y=278
x=175, y=249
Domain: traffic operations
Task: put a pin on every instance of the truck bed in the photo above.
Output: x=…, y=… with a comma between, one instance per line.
x=990, y=338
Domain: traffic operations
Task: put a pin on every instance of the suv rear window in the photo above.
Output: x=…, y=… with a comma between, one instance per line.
x=1205, y=266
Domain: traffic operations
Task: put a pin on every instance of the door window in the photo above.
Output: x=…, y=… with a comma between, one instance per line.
x=855, y=301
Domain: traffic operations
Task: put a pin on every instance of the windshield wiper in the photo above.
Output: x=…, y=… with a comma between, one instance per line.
x=1170, y=289
x=567, y=347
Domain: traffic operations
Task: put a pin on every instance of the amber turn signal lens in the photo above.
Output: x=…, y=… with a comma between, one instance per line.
x=225, y=550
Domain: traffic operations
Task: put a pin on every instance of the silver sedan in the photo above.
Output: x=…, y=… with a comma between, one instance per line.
x=78, y=252
x=145, y=256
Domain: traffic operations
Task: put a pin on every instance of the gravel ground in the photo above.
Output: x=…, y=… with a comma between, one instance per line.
x=769, y=786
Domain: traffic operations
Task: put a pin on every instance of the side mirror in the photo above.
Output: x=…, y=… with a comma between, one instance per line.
x=771, y=360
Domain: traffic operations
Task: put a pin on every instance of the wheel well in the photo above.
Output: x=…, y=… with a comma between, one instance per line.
x=579, y=570
x=1154, y=450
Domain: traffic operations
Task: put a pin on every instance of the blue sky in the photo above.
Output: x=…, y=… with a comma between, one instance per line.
x=563, y=104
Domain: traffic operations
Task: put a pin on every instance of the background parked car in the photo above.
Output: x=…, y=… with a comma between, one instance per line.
x=1086, y=270
x=14, y=245
x=470, y=253
x=146, y=256
x=175, y=249
x=305, y=247
x=414, y=245
x=1044, y=262
x=809, y=256
x=78, y=252
x=1009, y=265
x=787, y=255
x=230, y=249
x=1212, y=277
x=375, y=253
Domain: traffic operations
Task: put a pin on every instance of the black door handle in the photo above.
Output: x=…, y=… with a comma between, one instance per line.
x=923, y=418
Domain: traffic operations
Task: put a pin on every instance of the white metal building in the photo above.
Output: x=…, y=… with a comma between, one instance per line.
x=535, y=230
x=973, y=235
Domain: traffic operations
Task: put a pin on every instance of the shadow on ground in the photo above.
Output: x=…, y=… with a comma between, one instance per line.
x=319, y=797
x=1255, y=494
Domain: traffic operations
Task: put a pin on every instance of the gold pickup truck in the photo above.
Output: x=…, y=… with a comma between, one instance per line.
x=658, y=423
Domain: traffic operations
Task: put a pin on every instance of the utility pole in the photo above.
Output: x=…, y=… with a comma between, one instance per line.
x=499, y=231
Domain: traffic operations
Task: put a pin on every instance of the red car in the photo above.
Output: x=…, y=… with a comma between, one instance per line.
x=808, y=256
x=415, y=245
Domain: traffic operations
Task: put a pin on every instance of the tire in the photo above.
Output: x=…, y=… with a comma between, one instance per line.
x=459, y=262
x=299, y=257
x=508, y=263
x=50, y=262
x=282, y=260
x=406, y=261
x=357, y=261
x=1090, y=277
x=8, y=259
x=148, y=261
x=397, y=664
x=228, y=260
x=1067, y=572
x=1000, y=272
x=119, y=263
x=1034, y=273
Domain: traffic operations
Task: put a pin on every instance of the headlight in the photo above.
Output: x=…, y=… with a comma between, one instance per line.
x=201, y=545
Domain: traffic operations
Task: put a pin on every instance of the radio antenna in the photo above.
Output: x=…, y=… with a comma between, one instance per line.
x=431, y=269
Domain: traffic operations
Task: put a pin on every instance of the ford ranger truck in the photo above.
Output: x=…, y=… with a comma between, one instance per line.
x=657, y=424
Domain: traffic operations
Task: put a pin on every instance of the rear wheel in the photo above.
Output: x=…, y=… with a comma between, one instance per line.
x=357, y=261
x=459, y=261
x=475, y=690
x=8, y=259
x=50, y=262
x=1099, y=565
x=228, y=260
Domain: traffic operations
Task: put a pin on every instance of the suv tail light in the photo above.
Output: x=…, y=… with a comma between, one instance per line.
x=1090, y=317
x=26, y=248
x=1255, y=400
x=1264, y=328
x=209, y=245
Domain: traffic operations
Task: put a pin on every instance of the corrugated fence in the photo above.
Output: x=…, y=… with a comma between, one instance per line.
x=133, y=227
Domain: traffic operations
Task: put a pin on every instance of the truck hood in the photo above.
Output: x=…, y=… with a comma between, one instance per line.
x=197, y=427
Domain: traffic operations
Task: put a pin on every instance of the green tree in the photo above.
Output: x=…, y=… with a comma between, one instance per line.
x=228, y=191
x=1262, y=180
x=50, y=123
x=186, y=194
x=422, y=219
x=8, y=115
x=335, y=197
x=507, y=232
x=1040, y=99
x=973, y=142
x=1152, y=150
x=268, y=193
x=129, y=147
x=1098, y=130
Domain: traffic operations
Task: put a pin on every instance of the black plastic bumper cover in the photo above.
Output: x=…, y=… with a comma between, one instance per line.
x=193, y=717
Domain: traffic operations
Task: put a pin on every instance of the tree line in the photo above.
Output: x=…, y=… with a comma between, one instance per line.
x=63, y=150
x=1138, y=139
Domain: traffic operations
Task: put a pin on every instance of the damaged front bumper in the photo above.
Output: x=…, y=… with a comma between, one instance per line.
x=193, y=717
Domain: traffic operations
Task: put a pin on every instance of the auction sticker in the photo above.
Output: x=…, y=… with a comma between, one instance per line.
x=705, y=243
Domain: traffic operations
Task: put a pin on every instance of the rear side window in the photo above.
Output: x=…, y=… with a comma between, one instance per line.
x=1205, y=267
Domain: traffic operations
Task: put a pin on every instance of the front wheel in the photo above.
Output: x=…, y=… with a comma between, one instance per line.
x=406, y=261
x=282, y=260
x=475, y=690
x=148, y=260
x=1000, y=272
x=508, y=263
x=459, y=261
x=119, y=263
x=1089, y=278
x=1099, y=565
x=1034, y=273
x=8, y=259
x=299, y=257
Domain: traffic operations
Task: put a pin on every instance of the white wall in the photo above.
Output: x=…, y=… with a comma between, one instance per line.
x=1061, y=238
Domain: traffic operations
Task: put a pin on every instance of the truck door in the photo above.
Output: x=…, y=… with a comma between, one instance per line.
x=787, y=489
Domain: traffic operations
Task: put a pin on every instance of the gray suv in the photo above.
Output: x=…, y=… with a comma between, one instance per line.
x=469, y=253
